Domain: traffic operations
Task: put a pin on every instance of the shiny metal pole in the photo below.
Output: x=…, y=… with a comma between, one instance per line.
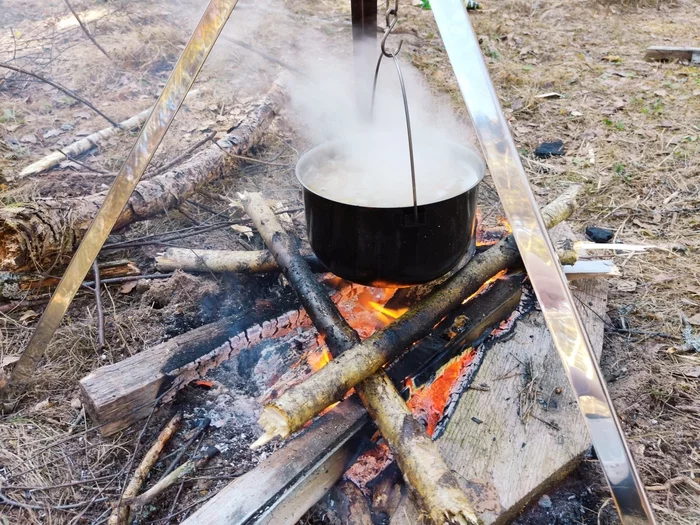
x=544, y=271
x=165, y=109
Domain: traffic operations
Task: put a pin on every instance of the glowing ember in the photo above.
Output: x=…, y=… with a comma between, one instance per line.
x=428, y=403
x=369, y=465
x=486, y=285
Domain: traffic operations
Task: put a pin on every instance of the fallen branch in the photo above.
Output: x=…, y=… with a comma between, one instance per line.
x=192, y=260
x=15, y=285
x=415, y=452
x=86, y=144
x=86, y=30
x=65, y=90
x=176, y=476
x=302, y=402
x=120, y=514
x=32, y=234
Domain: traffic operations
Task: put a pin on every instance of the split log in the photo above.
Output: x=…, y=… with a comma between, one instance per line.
x=415, y=452
x=299, y=404
x=87, y=143
x=291, y=479
x=117, y=395
x=36, y=233
x=14, y=285
x=120, y=514
x=256, y=261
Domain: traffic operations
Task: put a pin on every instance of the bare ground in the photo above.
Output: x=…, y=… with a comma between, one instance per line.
x=630, y=129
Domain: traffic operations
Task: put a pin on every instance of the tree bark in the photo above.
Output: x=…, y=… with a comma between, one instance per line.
x=35, y=234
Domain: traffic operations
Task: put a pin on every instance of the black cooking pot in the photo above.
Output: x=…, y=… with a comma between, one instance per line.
x=390, y=246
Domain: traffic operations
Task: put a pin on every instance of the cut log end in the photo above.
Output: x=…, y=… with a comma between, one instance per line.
x=274, y=423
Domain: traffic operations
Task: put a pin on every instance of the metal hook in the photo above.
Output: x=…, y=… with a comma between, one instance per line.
x=391, y=17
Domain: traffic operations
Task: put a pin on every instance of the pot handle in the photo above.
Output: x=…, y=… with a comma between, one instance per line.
x=391, y=19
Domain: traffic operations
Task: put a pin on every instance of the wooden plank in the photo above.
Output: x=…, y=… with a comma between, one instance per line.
x=120, y=394
x=667, y=54
x=503, y=462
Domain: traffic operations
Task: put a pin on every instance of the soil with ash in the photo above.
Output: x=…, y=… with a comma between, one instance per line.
x=631, y=137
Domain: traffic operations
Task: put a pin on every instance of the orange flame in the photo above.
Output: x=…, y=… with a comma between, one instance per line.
x=318, y=360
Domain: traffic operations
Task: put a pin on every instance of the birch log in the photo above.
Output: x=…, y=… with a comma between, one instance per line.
x=300, y=403
x=416, y=454
x=36, y=233
x=85, y=144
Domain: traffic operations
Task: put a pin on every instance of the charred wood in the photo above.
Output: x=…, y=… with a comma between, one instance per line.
x=297, y=405
x=292, y=478
x=415, y=452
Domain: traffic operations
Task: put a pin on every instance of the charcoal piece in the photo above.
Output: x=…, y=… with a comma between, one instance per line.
x=550, y=149
x=599, y=235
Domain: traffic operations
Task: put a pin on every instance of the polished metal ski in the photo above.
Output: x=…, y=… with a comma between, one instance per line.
x=541, y=262
x=167, y=106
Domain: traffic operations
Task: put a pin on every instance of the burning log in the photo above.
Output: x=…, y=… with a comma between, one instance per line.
x=120, y=514
x=36, y=232
x=299, y=404
x=415, y=452
x=256, y=261
x=290, y=480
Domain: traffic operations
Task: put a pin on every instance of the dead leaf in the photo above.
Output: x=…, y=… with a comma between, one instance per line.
x=205, y=384
x=517, y=104
x=26, y=316
x=128, y=287
x=52, y=133
x=576, y=114
x=692, y=371
x=83, y=115
x=11, y=128
x=695, y=320
x=693, y=289
x=552, y=94
x=611, y=58
x=43, y=405
x=29, y=139
x=627, y=286
x=8, y=360
x=664, y=278
x=245, y=230
x=661, y=93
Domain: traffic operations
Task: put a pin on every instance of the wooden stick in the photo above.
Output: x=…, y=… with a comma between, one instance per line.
x=14, y=285
x=177, y=475
x=85, y=144
x=120, y=514
x=86, y=30
x=300, y=403
x=65, y=90
x=191, y=260
x=98, y=302
x=36, y=233
x=416, y=454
